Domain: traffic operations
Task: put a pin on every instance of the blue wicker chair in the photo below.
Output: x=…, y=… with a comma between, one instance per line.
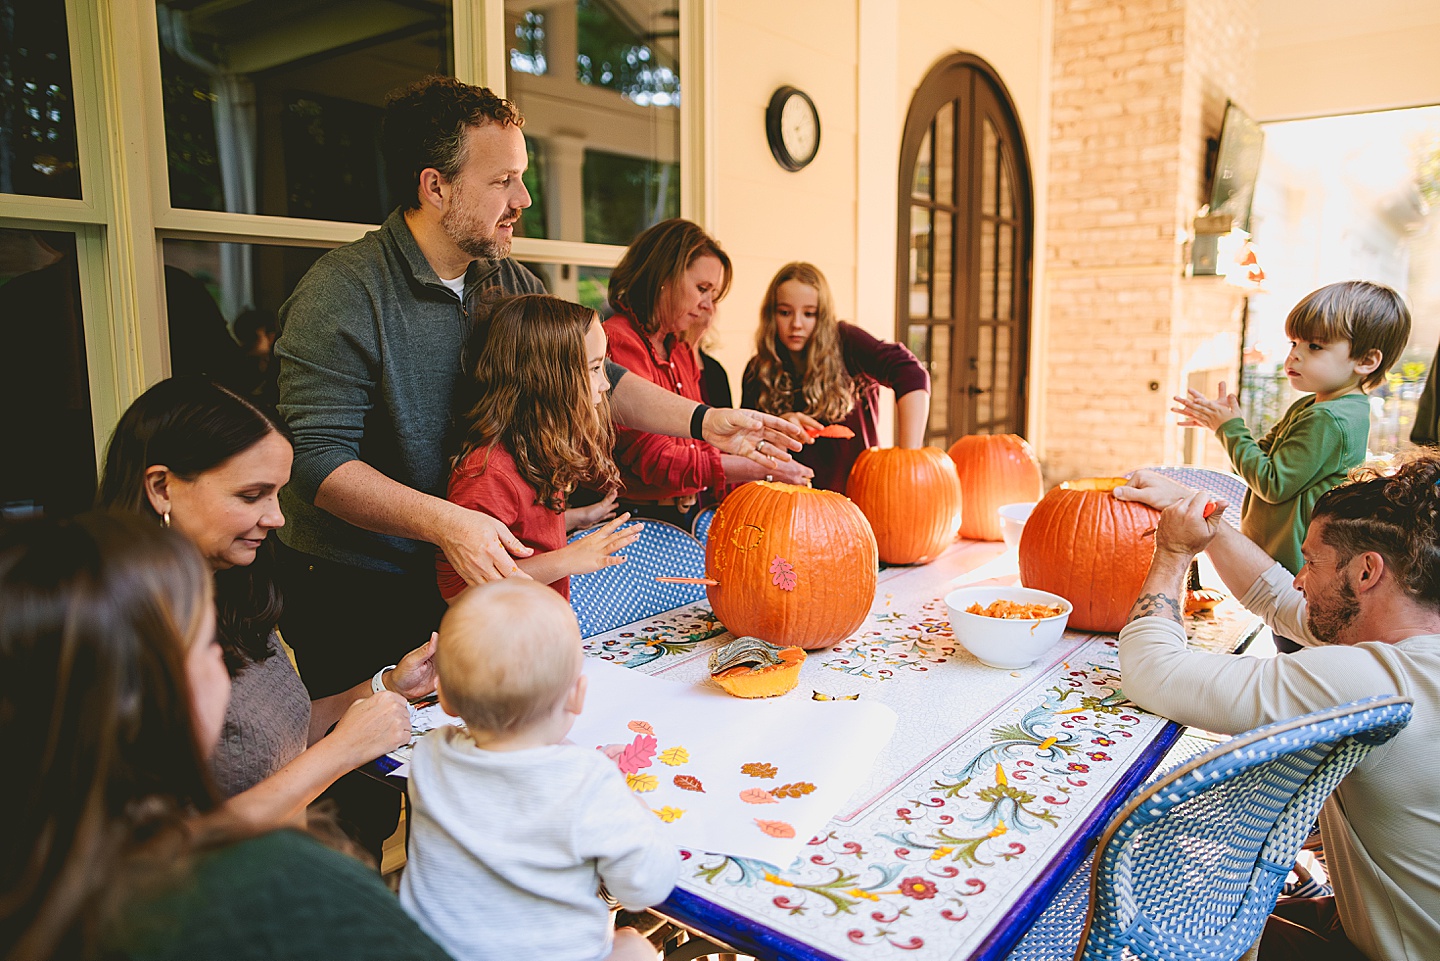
x=1191, y=867
x=1229, y=487
x=700, y=527
x=614, y=596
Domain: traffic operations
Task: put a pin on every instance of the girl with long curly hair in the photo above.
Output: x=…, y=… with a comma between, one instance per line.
x=539, y=427
x=815, y=370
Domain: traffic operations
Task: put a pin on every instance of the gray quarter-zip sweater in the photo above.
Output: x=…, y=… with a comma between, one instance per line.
x=369, y=350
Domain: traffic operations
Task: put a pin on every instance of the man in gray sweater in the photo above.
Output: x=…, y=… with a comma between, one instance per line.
x=1366, y=605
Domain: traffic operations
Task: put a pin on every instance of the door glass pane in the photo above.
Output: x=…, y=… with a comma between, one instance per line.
x=1002, y=170
x=599, y=84
x=917, y=338
x=921, y=183
x=987, y=269
x=274, y=106
x=1004, y=277
x=1001, y=408
x=38, y=154
x=47, y=441
x=987, y=168
x=222, y=301
x=945, y=154
x=943, y=262
x=940, y=379
x=982, y=366
x=919, y=261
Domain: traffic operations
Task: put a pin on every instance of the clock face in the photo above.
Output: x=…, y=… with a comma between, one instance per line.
x=792, y=126
x=799, y=128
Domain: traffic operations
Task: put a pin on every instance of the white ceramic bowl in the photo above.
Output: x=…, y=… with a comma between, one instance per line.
x=1001, y=642
x=1012, y=521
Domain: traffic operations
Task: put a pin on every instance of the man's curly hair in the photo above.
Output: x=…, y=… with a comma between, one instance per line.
x=1394, y=512
x=425, y=125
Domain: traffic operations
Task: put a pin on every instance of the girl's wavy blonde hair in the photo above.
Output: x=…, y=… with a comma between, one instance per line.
x=829, y=390
x=531, y=392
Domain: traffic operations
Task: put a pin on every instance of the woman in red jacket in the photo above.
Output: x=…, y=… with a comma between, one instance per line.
x=667, y=283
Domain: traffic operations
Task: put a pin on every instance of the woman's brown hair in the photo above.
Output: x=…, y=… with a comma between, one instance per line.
x=660, y=256
x=531, y=386
x=829, y=391
x=97, y=614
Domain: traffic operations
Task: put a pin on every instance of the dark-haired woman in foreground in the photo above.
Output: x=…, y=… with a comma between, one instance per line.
x=113, y=694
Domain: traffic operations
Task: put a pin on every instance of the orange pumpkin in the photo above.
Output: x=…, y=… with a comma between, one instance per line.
x=796, y=565
x=994, y=469
x=1088, y=547
x=911, y=498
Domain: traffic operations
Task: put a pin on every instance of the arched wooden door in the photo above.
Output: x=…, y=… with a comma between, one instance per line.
x=965, y=244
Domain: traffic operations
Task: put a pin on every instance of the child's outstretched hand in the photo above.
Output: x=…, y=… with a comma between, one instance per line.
x=579, y=518
x=1197, y=410
x=597, y=549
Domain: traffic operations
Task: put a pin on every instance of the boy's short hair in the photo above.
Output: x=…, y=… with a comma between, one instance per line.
x=1371, y=316
x=509, y=653
x=424, y=126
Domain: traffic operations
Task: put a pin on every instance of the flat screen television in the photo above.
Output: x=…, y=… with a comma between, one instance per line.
x=1232, y=182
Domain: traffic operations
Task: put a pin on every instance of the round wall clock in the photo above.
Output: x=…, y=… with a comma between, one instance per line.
x=792, y=125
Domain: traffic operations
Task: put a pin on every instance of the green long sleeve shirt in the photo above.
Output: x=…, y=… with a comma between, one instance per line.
x=1309, y=451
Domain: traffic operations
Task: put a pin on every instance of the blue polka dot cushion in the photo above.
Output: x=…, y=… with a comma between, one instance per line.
x=615, y=596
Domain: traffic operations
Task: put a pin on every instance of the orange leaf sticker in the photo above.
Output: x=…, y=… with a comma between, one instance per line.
x=641, y=727
x=798, y=789
x=640, y=783
x=784, y=574
x=668, y=814
x=759, y=769
x=689, y=782
x=757, y=795
x=776, y=829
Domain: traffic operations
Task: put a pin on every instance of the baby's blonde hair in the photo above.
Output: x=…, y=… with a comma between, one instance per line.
x=1370, y=316
x=509, y=653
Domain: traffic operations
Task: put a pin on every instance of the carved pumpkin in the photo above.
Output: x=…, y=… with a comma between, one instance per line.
x=911, y=498
x=994, y=469
x=1089, y=548
x=796, y=565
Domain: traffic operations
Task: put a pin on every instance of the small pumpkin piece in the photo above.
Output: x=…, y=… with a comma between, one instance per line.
x=1205, y=599
x=750, y=667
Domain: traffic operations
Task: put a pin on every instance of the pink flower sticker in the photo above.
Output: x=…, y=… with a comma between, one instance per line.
x=784, y=575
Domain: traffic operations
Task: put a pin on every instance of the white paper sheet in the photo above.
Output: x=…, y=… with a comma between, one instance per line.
x=828, y=744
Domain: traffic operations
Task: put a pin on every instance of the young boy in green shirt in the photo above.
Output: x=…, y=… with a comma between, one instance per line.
x=1343, y=338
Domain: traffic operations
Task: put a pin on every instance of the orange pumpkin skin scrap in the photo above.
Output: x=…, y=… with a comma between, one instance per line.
x=796, y=565
x=994, y=469
x=911, y=498
x=768, y=681
x=1088, y=547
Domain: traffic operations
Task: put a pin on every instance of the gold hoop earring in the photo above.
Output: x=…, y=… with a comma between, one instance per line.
x=165, y=520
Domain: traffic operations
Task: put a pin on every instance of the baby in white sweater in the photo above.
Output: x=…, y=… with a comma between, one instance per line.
x=514, y=829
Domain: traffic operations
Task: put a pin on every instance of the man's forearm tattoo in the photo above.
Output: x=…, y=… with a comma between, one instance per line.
x=1157, y=605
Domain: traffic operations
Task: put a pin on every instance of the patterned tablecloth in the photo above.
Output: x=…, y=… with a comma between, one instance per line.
x=990, y=777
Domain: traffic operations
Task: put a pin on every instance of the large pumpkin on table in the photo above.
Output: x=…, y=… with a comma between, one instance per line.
x=796, y=565
x=911, y=498
x=1088, y=547
x=994, y=469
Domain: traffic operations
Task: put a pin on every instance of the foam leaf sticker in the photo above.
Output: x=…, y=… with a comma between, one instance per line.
x=637, y=754
x=798, y=789
x=776, y=829
x=784, y=575
x=641, y=727
x=689, y=782
x=668, y=814
x=674, y=756
x=640, y=783
x=757, y=795
x=759, y=769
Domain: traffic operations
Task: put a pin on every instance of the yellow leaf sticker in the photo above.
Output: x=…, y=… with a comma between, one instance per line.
x=641, y=783
x=674, y=756
x=668, y=814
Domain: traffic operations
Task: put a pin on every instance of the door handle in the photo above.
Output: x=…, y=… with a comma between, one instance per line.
x=974, y=391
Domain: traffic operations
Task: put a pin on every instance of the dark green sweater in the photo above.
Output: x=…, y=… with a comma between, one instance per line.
x=277, y=897
x=369, y=351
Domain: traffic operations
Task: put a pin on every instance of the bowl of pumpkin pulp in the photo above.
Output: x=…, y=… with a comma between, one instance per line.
x=1007, y=627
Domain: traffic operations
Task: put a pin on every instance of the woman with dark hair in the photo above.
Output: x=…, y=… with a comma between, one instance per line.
x=192, y=455
x=815, y=370
x=667, y=284
x=114, y=693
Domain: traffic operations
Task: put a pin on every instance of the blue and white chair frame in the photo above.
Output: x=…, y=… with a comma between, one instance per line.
x=1192, y=866
x=1230, y=487
x=615, y=596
